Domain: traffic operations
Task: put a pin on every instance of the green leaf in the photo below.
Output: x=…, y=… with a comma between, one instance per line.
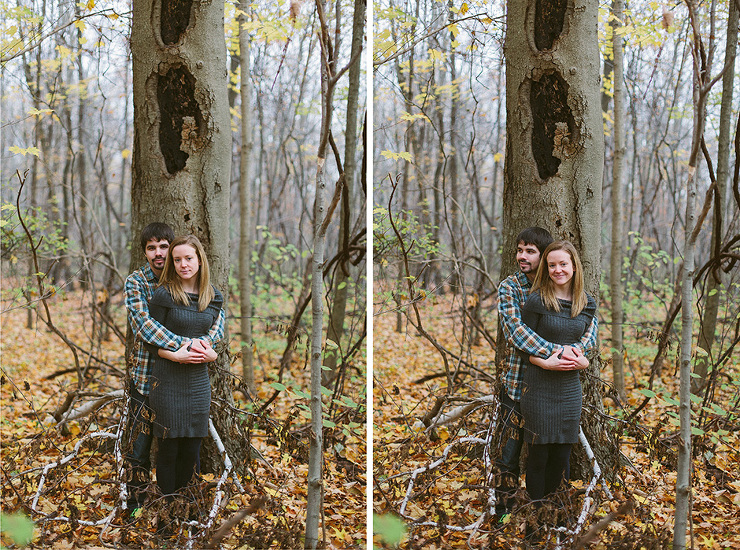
x=695, y=398
x=18, y=527
x=329, y=424
x=278, y=386
x=326, y=391
x=302, y=394
x=647, y=393
x=347, y=401
x=390, y=528
x=696, y=431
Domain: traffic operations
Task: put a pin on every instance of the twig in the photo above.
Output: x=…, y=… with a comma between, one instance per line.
x=40, y=283
x=90, y=406
x=601, y=524
x=229, y=524
x=64, y=461
x=462, y=410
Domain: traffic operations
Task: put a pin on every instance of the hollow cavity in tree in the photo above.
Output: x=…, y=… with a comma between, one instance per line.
x=549, y=20
x=177, y=104
x=553, y=123
x=174, y=20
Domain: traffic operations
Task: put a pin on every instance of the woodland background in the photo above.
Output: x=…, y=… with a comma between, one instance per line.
x=68, y=241
x=439, y=134
x=439, y=228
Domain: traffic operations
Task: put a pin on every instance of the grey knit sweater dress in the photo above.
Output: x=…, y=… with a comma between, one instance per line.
x=181, y=393
x=551, y=400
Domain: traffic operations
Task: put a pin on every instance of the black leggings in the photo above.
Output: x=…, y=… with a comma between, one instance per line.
x=547, y=466
x=177, y=460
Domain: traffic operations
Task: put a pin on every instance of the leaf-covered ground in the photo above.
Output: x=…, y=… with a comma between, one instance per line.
x=86, y=488
x=454, y=493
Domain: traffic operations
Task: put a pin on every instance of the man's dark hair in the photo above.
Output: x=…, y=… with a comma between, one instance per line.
x=157, y=230
x=537, y=236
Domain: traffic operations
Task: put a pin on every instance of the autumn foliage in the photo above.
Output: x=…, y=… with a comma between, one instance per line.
x=66, y=477
x=442, y=504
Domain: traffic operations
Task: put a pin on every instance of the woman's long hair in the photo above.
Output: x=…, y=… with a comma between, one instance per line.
x=544, y=284
x=171, y=280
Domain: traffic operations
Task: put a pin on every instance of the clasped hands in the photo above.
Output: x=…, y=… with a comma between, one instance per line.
x=562, y=359
x=195, y=351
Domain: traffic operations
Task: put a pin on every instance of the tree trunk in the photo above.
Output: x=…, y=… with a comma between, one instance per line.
x=82, y=214
x=702, y=70
x=246, y=222
x=182, y=152
x=33, y=81
x=709, y=320
x=406, y=85
x=555, y=156
x=321, y=214
x=617, y=255
x=335, y=330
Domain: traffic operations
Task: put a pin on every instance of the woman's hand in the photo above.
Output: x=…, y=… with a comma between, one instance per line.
x=563, y=359
x=574, y=354
x=205, y=347
x=192, y=352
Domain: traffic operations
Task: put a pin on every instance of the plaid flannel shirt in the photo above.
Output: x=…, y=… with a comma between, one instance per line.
x=512, y=293
x=139, y=288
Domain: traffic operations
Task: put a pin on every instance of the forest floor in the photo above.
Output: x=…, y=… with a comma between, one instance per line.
x=38, y=369
x=452, y=496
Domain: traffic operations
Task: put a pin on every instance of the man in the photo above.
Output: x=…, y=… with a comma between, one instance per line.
x=155, y=242
x=512, y=293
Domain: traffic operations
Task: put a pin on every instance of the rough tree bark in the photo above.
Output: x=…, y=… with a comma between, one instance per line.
x=555, y=156
x=182, y=151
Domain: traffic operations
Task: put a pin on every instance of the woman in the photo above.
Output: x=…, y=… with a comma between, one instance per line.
x=559, y=310
x=188, y=305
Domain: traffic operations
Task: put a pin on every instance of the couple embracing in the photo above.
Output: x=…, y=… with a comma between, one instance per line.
x=176, y=316
x=550, y=324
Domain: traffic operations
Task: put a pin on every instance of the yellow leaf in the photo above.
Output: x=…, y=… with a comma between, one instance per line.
x=90, y=5
x=36, y=112
x=444, y=433
x=435, y=54
x=498, y=157
x=80, y=24
x=126, y=153
x=33, y=150
x=395, y=156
